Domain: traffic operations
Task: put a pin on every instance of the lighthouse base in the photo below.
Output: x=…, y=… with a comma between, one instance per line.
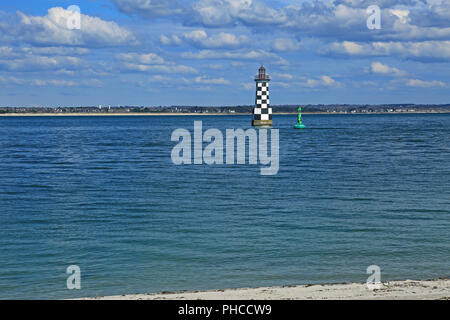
x=257, y=123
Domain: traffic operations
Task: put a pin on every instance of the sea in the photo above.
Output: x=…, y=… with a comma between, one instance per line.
x=103, y=193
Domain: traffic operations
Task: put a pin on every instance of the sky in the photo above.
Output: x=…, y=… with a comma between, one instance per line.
x=207, y=52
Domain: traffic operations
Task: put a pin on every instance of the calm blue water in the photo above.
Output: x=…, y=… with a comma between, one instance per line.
x=102, y=193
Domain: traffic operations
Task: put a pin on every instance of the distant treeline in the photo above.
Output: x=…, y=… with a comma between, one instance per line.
x=319, y=108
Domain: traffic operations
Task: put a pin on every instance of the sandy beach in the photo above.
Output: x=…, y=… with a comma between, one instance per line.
x=393, y=290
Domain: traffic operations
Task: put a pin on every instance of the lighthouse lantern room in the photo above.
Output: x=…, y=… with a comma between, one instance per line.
x=262, y=113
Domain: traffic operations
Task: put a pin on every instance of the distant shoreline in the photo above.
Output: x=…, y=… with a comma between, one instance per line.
x=392, y=290
x=79, y=114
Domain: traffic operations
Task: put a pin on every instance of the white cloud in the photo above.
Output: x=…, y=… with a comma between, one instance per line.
x=30, y=63
x=211, y=13
x=283, y=44
x=55, y=83
x=214, y=13
x=170, y=41
x=348, y=48
x=259, y=55
x=282, y=84
x=169, y=68
x=322, y=81
x=17, y=52
x=380, y=68
x=63, y=61
x=160, y=79
x=439, y=50
x=206, y=80
x=216, y=66
x=9, y=52
x=343, y=20
x=58, y=51
x=170, y=81
x=51, y=29
x=65, y=72
x=417, y=83
x=145, y=59
x=248, y=86
x=403, y=15
x=402, y=31
x=150, y=8
x=150, y=62
x=92, y=83
x=221, y=40
x=8, y=81
x=286, y=76
x=227, y=34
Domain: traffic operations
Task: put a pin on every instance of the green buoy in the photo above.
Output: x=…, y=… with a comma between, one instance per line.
x=299, y=124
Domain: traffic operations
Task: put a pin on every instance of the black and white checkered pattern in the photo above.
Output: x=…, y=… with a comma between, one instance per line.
x=262, y=110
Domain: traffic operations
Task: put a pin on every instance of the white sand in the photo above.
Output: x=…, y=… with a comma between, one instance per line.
x=393, y=290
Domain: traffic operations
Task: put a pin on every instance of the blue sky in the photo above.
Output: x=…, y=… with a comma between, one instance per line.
x=205, y=52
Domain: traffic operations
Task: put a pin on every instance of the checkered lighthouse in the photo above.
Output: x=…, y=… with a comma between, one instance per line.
x=262, y=113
